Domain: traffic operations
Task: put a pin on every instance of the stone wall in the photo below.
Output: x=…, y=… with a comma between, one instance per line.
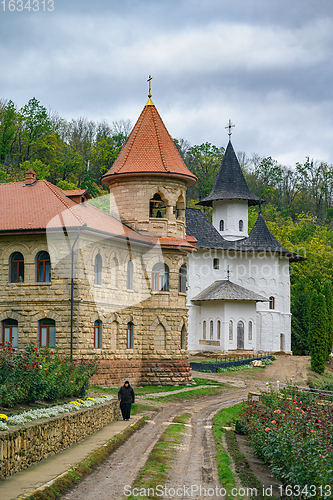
x=142, y=372
x=25, y=445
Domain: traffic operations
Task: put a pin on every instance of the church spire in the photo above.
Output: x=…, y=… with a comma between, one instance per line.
x=149, y=102
x=230, y=183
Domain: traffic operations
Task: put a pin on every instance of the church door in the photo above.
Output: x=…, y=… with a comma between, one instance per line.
x=240, y=335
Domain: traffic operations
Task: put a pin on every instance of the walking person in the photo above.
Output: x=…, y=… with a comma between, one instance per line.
x=126, y=398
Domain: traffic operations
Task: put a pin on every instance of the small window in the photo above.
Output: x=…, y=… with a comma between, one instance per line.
x=98, y=269
x=114, y=272
x=43, y=267
x=9, y=332
x=231, y=330
x=46, y=333
x=182, y=279
x=272, y=302
x=129, y=275
x=204, y=333
x=98, y=334
x=221, y=225
x=160, y=278
x=211, y=329
x=241, y=225
x=218, y=329
x=130, y=335
x=183, y=338
x=216, y=264
x=250, y=330
x=16, y=261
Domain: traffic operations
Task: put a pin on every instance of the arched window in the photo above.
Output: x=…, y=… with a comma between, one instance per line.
x=250, y=330
x=218, y=329
x=221, y=225
x=46, y=332
x=130, y=335
x=241, y=225
x=98, y=269
x=43, y=269
x=216, y=263
x=211, y=329
x=160, y=278
x=16, y=265
x=183, y=338
x=182, y=279
x=129, y=275
x=272, y=302
x=204, y=330
x=98, y=334
x=157, y=206
x=231, y=330
x=9, y=332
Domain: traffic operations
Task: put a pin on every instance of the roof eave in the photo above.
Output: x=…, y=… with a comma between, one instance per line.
x=108, y=178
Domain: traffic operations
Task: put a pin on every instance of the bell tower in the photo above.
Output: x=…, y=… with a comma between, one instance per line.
x=149, y=178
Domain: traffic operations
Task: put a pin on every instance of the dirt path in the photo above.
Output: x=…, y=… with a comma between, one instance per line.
x=195, y=461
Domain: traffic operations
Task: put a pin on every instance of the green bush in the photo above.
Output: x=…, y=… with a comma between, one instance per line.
x=34, y=373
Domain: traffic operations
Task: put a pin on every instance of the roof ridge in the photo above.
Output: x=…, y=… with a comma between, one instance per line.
x=138, y=123
x=159, y=142
x=64, y=202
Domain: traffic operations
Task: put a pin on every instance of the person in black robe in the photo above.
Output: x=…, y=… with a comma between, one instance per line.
x=126, y=397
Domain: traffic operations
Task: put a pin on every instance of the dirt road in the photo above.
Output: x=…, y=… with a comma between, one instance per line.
x=193, y=465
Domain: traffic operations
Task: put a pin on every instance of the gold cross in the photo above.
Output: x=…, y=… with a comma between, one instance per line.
x=229, y=126
x=149, y=81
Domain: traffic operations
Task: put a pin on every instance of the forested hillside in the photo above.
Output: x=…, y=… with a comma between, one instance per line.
x=75, y=153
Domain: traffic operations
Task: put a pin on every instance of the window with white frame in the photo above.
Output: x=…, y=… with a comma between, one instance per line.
x=231, y=330
x=204, y=333
x=250, y=330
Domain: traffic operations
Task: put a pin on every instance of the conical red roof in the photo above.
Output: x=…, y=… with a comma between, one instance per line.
x=149, y=150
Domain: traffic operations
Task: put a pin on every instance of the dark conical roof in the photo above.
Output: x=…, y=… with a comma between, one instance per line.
x=230, y=183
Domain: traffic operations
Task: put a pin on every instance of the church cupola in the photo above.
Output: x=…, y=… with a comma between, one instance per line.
x=148, y=180
x=230, y=198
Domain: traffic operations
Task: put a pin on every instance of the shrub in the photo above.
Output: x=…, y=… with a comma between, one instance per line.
x=34, y=373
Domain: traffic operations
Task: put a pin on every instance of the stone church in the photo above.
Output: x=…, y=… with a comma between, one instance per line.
x=92, y=283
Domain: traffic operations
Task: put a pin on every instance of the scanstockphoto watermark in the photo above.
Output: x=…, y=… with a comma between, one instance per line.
x=28, y=5
x=191, y=492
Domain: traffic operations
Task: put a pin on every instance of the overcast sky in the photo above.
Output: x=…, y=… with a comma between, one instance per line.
x=265, y=64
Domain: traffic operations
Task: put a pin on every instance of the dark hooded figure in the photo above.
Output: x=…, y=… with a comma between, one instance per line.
x=126, y=398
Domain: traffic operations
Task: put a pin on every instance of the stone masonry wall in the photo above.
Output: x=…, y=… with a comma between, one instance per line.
x=142, y=372
x=23, y=446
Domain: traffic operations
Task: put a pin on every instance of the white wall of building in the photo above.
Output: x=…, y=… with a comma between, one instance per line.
x=231, y=212
x=263, y=273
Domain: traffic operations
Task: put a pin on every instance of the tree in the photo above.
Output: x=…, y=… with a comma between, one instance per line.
x=300, y=319
x=318, y=332
x=329, y=305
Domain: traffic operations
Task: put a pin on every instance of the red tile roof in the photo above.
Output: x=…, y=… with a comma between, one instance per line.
x=149, y=150
x=42, y=205
x=176, y=243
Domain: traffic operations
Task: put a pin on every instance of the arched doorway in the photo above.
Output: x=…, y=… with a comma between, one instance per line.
x=240, y=335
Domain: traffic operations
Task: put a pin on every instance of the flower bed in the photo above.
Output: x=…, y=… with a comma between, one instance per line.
x=39, y=413
x=34, y=373
x=294, y=436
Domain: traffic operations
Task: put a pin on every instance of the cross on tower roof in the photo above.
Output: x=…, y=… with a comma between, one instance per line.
x=229, y=126
x=149, y=81
x=228, y=273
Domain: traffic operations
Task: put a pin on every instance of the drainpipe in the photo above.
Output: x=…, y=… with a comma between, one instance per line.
x=72, y=287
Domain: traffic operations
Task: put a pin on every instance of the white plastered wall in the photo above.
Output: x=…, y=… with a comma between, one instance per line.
x=231, y=212
x=264, y=273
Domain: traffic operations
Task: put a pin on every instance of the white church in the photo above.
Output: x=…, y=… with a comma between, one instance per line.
x=238, y=284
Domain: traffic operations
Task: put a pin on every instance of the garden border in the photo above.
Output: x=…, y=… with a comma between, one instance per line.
x=225, y=364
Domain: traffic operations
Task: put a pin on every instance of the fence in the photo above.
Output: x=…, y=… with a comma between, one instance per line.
x=213, y=366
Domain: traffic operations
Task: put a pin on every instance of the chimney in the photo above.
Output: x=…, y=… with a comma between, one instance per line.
x=30, y=177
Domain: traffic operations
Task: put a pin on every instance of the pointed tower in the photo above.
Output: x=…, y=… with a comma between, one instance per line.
x=230, y=198
x=148, y=180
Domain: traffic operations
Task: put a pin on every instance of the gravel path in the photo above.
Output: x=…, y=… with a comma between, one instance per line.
x=194, y=463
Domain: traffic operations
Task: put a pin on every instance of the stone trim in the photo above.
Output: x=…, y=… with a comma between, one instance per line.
x=209, y=342
x=26, y=445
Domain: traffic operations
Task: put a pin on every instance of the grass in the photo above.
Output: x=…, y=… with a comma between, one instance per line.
x=81, y=470
x=138, y=408
x=155, y=471
x=326, y=378
x=227, y=418
x=195, y=393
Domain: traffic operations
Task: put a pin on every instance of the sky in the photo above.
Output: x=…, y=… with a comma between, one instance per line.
x=264, y=64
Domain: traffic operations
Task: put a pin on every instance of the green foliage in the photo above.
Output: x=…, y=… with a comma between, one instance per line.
x=293, y=436
x=33, y=373
x=318, y=331
x=329, y=305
